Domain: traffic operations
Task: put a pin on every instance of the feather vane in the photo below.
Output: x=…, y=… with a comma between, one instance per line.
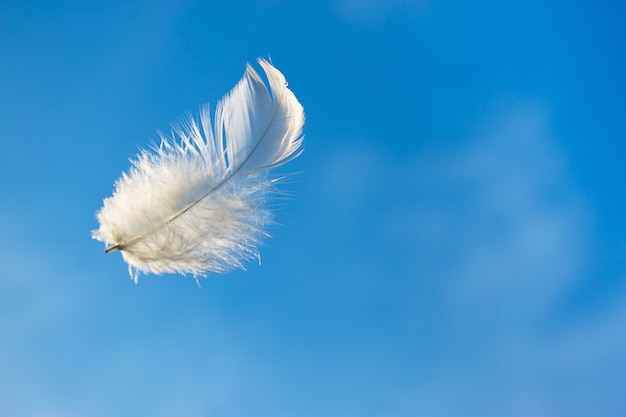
x=197, y=203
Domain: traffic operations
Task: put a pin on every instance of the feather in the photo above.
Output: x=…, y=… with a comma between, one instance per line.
x=198, y=202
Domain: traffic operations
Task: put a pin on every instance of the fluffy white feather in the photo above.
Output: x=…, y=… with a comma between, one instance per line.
x=198, y=202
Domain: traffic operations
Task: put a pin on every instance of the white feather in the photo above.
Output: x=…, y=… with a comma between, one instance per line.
x=198, y=202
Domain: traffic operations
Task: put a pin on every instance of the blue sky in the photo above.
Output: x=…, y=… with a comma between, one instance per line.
x=456, y=244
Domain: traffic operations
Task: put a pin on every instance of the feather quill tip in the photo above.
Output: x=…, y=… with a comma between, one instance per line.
x=198, y=203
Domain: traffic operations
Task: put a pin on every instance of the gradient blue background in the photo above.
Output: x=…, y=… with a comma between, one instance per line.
x=456, y=245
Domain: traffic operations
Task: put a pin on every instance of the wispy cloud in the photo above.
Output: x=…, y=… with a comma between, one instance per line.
x=429, y=284
x=486, y=240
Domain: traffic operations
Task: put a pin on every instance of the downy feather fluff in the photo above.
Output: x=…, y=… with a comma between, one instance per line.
x=197, y=203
